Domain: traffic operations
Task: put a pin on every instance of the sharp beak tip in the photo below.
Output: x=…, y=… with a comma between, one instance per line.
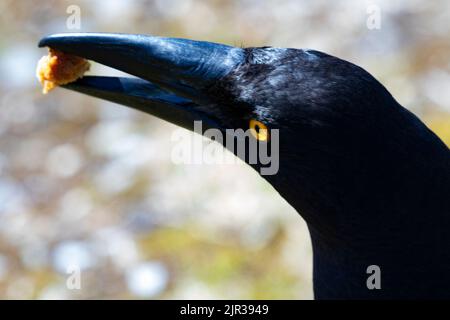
x=44, y=42
x=62, y=39
x=49, y=40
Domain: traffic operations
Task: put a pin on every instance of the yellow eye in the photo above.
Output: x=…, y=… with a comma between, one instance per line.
x=259, y=130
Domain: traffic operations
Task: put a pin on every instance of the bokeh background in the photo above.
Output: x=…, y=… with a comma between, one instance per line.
x=91, y=184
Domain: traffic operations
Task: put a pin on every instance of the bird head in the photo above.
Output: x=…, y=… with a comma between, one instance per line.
x=328, y=122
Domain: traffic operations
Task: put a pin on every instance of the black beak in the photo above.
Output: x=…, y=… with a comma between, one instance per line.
x=174, y=73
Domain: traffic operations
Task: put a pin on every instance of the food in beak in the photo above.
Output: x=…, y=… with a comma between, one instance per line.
x=59, y=68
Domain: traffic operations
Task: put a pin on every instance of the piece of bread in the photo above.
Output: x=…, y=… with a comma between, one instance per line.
x=59, y=68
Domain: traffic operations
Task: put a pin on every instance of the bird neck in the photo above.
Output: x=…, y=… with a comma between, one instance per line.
x=406, y=237
x=386, y=205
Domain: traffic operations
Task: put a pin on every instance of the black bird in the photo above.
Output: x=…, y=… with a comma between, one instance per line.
x=369, y=178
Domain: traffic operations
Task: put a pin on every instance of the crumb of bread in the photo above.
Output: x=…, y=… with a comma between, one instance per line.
x=59, y=68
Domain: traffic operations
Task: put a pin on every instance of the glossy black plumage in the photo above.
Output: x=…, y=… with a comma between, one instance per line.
x=370, y=179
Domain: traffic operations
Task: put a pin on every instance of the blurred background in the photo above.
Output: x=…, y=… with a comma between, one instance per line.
x=90, y=185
